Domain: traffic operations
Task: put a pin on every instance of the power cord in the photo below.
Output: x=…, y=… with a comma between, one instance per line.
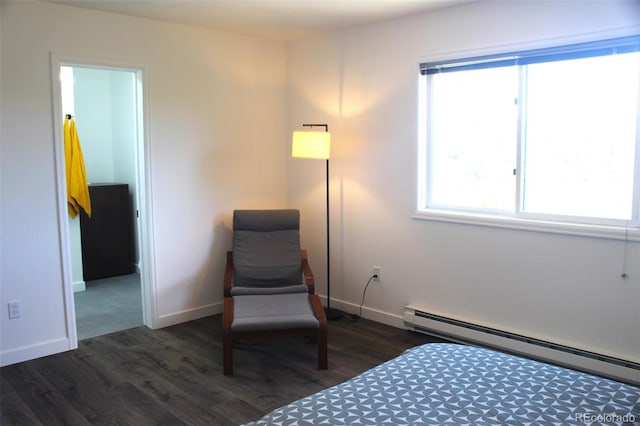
x=356, y=317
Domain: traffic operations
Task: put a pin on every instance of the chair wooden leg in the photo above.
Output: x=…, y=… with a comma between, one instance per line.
x=322, y=349
x=227, y=340
x=321, y=335
x=227, y=355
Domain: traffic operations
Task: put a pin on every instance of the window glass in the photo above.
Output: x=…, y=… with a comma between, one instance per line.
x=473, y=128
x=580, y=136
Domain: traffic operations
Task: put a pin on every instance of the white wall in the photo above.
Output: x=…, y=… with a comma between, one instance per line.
x=93, y=99
x=363, y=83
x=105, y=118
x=217, y=141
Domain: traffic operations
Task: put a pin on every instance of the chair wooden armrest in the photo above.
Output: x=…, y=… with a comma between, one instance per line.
x=306, y=271
x=228, y=275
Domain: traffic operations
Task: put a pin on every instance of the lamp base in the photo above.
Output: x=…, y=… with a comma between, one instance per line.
x=332, y=314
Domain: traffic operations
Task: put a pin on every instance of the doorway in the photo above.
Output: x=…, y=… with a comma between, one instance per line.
x=106, y=103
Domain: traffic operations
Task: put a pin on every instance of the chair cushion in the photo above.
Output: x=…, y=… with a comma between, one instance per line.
x=272, y=312
x=266, y=220
x=266, y=248
x=239, y=290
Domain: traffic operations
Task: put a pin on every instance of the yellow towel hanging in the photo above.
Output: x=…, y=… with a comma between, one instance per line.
x=77, y=187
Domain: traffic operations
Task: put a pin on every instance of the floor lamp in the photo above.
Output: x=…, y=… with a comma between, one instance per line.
x=317, y=145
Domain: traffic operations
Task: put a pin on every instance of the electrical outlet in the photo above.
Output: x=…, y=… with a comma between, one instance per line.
x=14, y=310
x=376, y=272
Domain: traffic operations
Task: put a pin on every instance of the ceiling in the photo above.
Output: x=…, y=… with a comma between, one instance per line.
x=286, y=20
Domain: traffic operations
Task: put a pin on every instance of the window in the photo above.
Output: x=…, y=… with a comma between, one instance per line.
x=548, y=135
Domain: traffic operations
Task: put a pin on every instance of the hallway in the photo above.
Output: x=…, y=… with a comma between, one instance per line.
x=108, y=305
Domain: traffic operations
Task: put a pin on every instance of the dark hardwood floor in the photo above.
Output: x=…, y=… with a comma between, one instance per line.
x=173, y=376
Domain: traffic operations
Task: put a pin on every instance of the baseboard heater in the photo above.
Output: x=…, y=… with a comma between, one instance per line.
x=466, y=332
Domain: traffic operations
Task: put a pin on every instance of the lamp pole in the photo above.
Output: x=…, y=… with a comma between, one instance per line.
x=332, y=314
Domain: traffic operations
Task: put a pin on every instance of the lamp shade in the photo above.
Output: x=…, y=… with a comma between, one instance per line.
x=311, y=144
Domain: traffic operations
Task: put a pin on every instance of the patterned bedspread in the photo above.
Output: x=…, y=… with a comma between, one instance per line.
x=441, y=383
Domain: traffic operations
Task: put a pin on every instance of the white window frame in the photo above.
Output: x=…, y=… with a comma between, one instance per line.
x=613, y=229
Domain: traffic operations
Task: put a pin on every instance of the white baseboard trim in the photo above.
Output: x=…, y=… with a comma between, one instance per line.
x=367, y=313
x=27, y=353
x=79, y=286
x=174, y=318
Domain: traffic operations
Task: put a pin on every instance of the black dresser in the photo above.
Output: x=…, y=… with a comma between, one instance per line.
x=107, y=240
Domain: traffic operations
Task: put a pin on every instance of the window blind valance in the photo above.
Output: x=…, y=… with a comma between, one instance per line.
x=613, y=46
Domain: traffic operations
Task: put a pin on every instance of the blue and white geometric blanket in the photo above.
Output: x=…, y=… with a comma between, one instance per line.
x=450, y=384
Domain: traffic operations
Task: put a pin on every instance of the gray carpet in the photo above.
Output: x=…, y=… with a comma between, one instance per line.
x=108, y=305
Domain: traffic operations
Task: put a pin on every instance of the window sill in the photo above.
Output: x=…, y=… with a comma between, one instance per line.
x=534, y=225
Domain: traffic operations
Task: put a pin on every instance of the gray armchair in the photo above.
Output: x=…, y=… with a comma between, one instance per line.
x=268, y=284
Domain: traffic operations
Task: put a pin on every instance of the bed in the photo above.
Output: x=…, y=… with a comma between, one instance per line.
x=442, y=383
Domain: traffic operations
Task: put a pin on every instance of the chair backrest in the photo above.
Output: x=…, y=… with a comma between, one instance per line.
x=266, y=248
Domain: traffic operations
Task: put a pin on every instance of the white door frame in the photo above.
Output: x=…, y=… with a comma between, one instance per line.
x=144, y=199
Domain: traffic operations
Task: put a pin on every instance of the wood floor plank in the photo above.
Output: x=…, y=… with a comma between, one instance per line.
x=43, y=399
x=138, y=408
x=174, y=375
x=193, y=408
x=13, y=410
